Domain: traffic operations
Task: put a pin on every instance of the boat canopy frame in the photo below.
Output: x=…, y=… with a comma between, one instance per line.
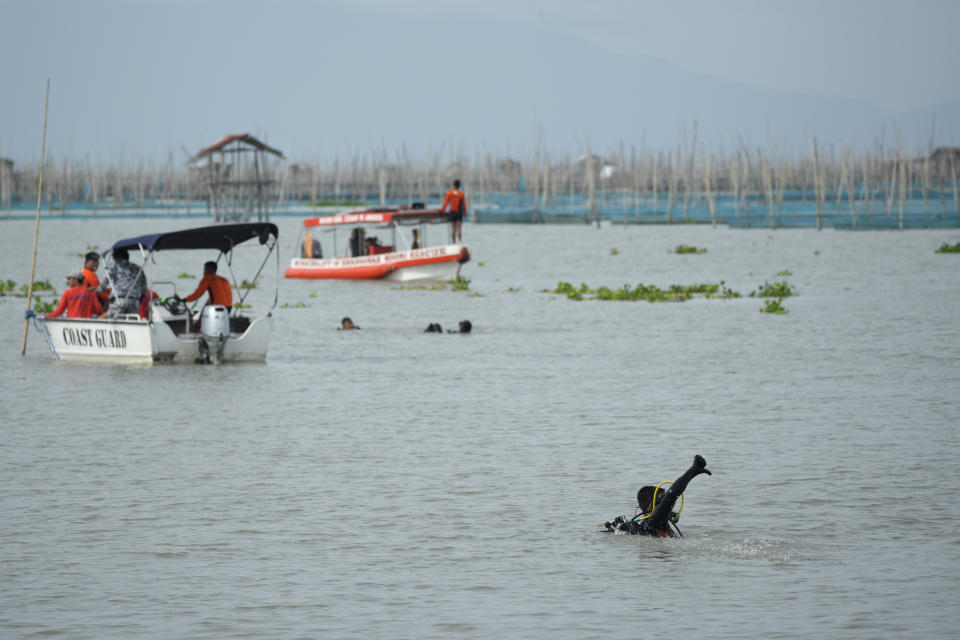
x=380, y=217
x=222, y=238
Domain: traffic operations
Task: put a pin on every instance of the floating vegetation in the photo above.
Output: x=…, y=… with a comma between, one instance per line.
x=649, y=293
x=299, y=305
x=780, y=289
x=817, y=252
x=685, y=248
x=614, y=252
x=513, y=289
x=184, y=276
x=313, y=294
x=774, y=306
x=40, y=287
x=949, y=248
x=482, y=263
x=437, y=286
x=784, y=274
x=241, y=305
x=459, y=284
x=247, y=285
x=44, y=306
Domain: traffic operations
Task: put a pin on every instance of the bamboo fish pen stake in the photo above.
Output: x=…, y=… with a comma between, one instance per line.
x=36, y=228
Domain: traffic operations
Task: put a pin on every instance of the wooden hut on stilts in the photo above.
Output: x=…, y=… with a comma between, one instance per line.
x=235, y=174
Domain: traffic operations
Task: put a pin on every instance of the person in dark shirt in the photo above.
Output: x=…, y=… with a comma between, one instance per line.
x=128, y=282
x=657, y=521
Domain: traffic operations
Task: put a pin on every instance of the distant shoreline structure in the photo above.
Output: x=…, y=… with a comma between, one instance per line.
x=877, y=187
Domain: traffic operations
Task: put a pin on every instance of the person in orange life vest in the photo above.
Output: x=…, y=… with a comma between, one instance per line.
x=90, y=280
x=78, y=301
x=216, y=286
x=458, y=208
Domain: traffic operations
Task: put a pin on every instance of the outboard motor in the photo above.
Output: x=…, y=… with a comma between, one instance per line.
x=214, y=332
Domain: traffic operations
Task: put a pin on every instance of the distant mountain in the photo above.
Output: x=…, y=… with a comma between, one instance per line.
x=491, y=85
x=319, y=80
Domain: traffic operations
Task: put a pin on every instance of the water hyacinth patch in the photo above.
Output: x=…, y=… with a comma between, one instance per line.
x=780, y=289
x=949, y=248
x=685, y=248
x=44, y=306
x=436, y=286
x=649, y=293
x=774, y=306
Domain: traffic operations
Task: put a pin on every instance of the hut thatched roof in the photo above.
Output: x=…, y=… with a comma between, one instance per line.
x=236, y=137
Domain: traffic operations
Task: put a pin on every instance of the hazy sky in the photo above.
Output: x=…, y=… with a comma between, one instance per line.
x=896, y=54
x=153, y=77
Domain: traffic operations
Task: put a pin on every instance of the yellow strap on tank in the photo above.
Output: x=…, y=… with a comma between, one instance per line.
x=653, y=503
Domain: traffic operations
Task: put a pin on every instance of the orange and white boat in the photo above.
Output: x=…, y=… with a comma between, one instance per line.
x=360, y=255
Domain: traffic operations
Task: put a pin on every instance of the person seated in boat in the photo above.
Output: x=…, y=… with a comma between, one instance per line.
x=657, y=515
x=128, y=283
x=416, y=240
x=78, y=301
x=346, y=324
x=216, y=287
x=465, y=326
x=356, y=242
x=433, y=327
x=311, y=247
x=374, y=247
x=90, y=279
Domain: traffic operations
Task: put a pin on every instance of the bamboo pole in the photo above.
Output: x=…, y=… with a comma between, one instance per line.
x=36, y=228
x=708, y=176
x=956, y=192
x=816, y=184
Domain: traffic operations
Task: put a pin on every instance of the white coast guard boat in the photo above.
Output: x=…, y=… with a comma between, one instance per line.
x=169, y=332
x=362, y=256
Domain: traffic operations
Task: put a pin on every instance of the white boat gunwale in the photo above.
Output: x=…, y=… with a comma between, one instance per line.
x=132, y=339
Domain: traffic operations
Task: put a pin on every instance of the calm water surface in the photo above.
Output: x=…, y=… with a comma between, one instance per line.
x=396, y=484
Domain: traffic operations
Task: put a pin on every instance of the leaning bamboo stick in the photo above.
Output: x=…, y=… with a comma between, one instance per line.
x=36, y=227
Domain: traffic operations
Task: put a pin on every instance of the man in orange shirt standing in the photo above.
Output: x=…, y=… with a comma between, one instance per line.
x=216, y=286
x=90, y=280
x=77, y=301
x=458, y=208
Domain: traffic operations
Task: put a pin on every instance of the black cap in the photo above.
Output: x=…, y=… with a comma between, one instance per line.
x=93, y=255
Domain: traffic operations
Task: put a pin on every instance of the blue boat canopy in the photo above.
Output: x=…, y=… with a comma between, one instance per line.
x=223, y=237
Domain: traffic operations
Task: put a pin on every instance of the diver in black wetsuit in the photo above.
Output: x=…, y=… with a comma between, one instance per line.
x=658, y=522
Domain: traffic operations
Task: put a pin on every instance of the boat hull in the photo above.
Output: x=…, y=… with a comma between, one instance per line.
x=431, y=263
x=138, y=341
